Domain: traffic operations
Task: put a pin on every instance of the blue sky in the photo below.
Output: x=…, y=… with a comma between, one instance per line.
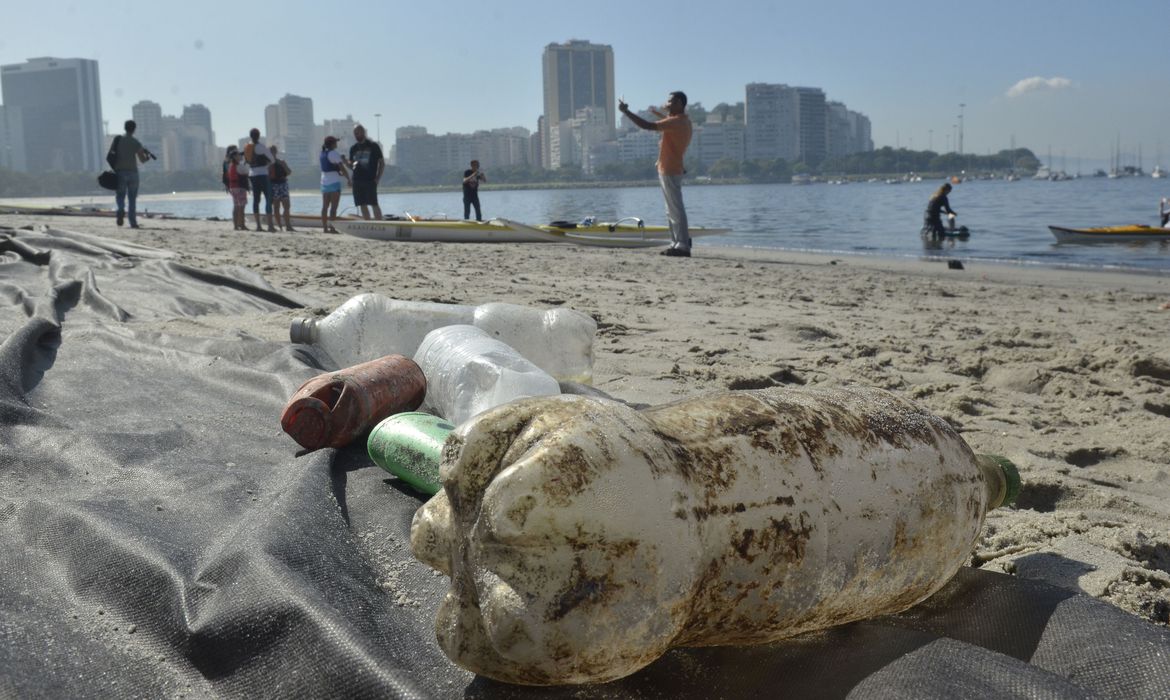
x=1103, y=69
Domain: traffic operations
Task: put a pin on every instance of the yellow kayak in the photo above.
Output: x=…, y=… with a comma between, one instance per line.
x=1110, y=234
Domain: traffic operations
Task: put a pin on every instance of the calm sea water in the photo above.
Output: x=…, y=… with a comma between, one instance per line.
x=1008, y=220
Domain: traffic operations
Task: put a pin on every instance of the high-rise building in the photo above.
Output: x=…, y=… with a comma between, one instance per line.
x=272, y=132
x=200, y=116
x=297, y=129
x=11, y=141
x=571, y=141
x=862, y=131
x=812, y=132
x=770, y=122
x=342, y=129
x=577, y=75
x=58, y=101
x=149, y=118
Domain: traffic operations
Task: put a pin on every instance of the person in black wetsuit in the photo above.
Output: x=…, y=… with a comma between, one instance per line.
x=932, y=220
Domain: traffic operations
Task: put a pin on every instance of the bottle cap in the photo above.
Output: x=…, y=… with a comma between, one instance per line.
x=303, y=330
x=307, y=421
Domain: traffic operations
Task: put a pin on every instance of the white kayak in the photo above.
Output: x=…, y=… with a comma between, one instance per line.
x=604, y=235
x=493, y=231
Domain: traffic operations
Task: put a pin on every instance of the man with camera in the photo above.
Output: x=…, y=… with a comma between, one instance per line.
x=126, y=152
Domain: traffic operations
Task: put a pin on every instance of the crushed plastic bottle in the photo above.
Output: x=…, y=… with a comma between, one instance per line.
x=584, y=538
x=469, y=372
x=558, y=340
x=333, y=409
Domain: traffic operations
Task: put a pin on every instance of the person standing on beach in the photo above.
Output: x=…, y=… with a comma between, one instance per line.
x=471, y=179
x=278, y=172
x=367, y=163
x=125, y=154
x=259, y=158
x=332, y=171
x=237, y=186
x=672, y=146
x=1164, y=212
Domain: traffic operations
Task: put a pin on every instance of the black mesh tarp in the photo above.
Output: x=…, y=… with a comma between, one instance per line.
x=160, y=538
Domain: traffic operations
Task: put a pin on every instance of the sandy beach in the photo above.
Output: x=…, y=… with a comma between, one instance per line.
x=1065, y=373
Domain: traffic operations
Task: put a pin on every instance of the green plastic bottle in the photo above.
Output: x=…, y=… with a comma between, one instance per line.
x=409, y=446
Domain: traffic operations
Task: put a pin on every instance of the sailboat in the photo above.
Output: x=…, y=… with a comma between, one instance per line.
x=1158, y=172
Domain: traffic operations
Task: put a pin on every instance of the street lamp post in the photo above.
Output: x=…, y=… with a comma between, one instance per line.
x=961, y=106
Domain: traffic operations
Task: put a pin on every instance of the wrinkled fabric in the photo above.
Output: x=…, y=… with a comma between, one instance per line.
x=161, y=537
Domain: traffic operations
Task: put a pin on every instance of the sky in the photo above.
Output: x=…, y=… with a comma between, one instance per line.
x=1068, y=78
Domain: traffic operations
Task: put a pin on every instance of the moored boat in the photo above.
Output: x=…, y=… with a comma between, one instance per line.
x=1110, y=234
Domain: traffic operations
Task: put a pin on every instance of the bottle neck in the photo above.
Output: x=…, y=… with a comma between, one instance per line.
x=1001, y=479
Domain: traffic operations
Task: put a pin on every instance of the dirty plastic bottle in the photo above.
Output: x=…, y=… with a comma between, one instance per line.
x=372, y=325
x=333, y=409
x=409, y=446
x=469, y=372
x=559, y=340
x=584, y=538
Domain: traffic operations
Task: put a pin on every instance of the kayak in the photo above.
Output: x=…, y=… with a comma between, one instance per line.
x=604, y=235
x=452, y=231
x=1110, y=234
x=626, y=230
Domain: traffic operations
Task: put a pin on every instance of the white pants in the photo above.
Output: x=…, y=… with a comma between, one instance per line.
x=676, y=213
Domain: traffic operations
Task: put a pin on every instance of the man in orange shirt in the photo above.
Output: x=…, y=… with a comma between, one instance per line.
x=676, y=136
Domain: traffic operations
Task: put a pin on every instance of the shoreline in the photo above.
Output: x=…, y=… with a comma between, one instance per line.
x=939, y=257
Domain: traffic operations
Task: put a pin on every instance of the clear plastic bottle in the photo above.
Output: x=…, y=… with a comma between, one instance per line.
x=368, y=326
x=559, y=341
x=469, y=372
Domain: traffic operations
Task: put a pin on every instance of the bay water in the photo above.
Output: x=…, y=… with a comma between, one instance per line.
x=1008, y=220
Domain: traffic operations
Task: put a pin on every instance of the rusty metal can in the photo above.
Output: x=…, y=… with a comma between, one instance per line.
x=333, y=409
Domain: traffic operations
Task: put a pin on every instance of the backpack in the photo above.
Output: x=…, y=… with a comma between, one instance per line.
x=112, y=156
x=255, y=160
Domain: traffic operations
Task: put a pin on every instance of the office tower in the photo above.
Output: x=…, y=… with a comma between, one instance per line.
x=58, y=105
x=770, y=122
x=577, y=75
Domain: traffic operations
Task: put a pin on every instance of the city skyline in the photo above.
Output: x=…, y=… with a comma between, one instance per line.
x=906, y=65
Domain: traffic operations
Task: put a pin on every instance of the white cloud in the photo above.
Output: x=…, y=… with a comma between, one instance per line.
x=1038, y=84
